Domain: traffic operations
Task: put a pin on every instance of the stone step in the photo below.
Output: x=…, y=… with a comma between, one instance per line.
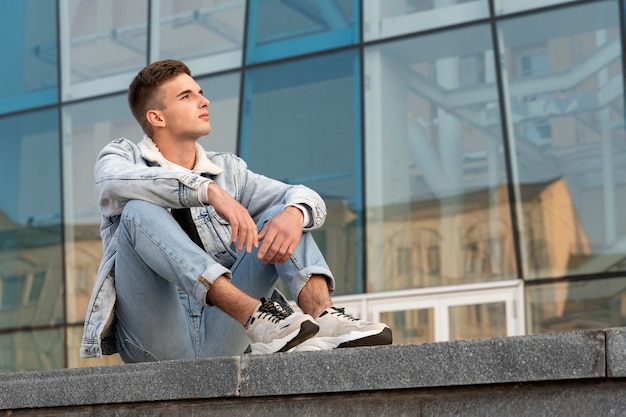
x=510, y=375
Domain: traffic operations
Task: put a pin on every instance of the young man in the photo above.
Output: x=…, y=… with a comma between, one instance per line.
x=179, y=283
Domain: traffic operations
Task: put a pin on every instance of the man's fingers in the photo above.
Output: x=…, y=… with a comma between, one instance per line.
x=244, y=233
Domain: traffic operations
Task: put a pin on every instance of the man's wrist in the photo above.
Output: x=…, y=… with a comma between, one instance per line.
x=210, y=193
x=299, y=208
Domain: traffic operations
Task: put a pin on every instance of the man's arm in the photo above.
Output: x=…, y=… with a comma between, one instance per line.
x=261, y=192
x=244, y=230
x=121, y=175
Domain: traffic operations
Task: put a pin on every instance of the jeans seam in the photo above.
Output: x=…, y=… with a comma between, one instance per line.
x=128, y=346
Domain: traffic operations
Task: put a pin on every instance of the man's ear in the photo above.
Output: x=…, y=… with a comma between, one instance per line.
x=154, y=118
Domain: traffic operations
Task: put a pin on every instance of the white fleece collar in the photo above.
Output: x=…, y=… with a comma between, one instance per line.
x=151, y=152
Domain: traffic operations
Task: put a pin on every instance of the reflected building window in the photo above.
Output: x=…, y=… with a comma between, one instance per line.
x=565, y=85
x=472, y=69
x=482, y=258
x=12, y=288
x=21, y=290
x=434, y=153
x=405, y=261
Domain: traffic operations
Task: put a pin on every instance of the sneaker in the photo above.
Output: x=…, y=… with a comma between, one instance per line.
x=339, y=329
x=271, y=328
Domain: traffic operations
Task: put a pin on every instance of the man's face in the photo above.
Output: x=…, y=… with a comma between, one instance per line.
x=186, y=109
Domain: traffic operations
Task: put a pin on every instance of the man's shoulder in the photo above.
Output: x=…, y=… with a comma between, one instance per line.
x=122, y=143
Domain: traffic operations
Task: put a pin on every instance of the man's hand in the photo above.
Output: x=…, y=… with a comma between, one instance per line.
x=243, y=227
x=280, y=236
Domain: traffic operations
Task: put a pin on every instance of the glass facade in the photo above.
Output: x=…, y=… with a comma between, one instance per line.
x=473, y=168
x=300, y=127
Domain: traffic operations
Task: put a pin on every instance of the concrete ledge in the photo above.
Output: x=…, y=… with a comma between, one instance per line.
x=162, y=381
x=564, y=366
x=472, y=362
x=616, y=352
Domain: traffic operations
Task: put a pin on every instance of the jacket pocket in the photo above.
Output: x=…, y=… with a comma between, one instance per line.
x=216, y=236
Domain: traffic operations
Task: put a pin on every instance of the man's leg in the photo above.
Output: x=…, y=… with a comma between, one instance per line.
x=311, y=282
x=314, y=297
x=259, y=280
x=157, y=267
x=158, y=318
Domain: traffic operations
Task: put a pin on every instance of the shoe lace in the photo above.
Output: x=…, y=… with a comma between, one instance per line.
x=341, y=311
x=272, y=311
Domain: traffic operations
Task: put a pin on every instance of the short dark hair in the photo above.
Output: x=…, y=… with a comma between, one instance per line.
x=143, y=92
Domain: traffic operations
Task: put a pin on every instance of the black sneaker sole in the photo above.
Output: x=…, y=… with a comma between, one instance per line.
x=383, y=338
x=308, y=329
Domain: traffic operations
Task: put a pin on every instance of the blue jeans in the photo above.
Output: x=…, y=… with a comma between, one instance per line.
x=156, y=270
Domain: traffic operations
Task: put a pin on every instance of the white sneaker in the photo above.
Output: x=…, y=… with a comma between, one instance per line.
x=271, y=328
x=339, y=329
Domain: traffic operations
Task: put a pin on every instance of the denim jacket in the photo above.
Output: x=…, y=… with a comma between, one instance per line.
x=126, y=171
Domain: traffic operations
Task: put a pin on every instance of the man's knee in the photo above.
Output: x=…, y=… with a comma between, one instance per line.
x=140, y=208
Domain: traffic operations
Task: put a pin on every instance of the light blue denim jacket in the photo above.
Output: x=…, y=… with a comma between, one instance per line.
x=125, y=171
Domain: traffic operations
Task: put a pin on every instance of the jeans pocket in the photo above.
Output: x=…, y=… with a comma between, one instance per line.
x=131, y=353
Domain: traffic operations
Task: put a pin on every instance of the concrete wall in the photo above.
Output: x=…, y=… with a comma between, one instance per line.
x=560, y=374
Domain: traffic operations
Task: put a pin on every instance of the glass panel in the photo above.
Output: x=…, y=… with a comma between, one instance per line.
x=30, y=220
x=411, y=326
x=223, y=93
x=437, y=201
x=385, y=18
x=108, y=44
x=477, y=321
x=305, y=114
x=90, y=125
x=512, y=6
x=28, y=76
x=577, y=305
x=74, y=336
x=566, y=99
x=206, y=34
x=31, y=351
x=283, y=28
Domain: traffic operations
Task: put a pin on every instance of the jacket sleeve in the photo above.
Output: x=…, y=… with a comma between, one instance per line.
x=121, y=174
x=260, y=192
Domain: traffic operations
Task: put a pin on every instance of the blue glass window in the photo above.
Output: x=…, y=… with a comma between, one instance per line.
x=384, y=18
x=301, y=125
x=566, y=136
x=30, y=220
x=284, y=28
x=107, y=44
x=28, y=76
x=88, y=127
x=206, y=34
x=436, y=182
